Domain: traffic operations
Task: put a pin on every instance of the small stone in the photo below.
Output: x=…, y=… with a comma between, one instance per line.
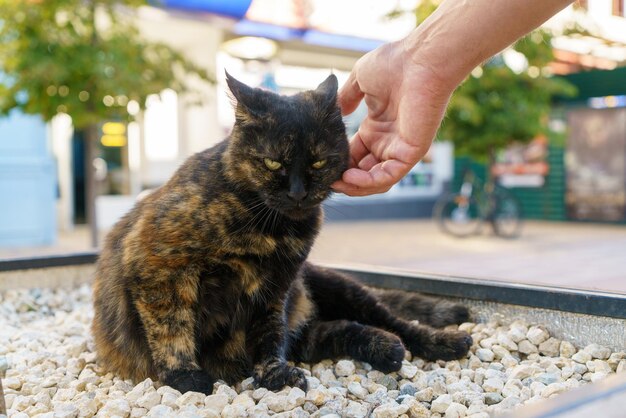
x=216, y=402
x=553, y=388
x=233, y=411
x=149, y=400
x=257, y=394
x=493, y=385
x=160, y=411
x=467, y=327
x=550, y=347
x=567, y=372
x=389, y=382
x=598, y=376
x=317, y=396
x=244, y=400
x=500, y=352
x=247, y=384
x=408, y=389
x=621, y=367
x=509, y=402
x=441, y=403
x=191, y=398
x=425, y=395
x=226, y=390
x=12, y=383
x=113, y=407
x=536, y=388
x=567, y=349
x=487, y=342
x=456, y=410
x=63, y=410
x=615, y=358
x=547, y=378
x=600, y=366
x=356, y=410
x=138, y=412
x=469, y=397
x=581, y=357
x=390, y=410
x=357, y=390
x=459, y=386
x=485, y=354
x=274, y=402
x=506, y=342
x=492, y=398
x=597, y=351
x=509, y=361
x=344, y=368
x=526, y=347
x=169, y=399
x=537, y=335
x=295, y=397
x=516, y=334
x=417, y=409
x=407, y=371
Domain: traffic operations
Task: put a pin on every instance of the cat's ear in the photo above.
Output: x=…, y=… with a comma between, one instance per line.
x=327, y=91
x=251, y=103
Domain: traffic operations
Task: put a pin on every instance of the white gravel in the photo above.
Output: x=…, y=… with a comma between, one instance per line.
x=45, y=337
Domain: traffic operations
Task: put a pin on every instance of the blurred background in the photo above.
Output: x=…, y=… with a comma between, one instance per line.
x=101, y=100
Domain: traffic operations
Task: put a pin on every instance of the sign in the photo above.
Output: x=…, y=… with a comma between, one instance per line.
x=522, y=165
x=595, y=162
x=231, y=8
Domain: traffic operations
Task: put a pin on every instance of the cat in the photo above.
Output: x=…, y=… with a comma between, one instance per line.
x=206, y=278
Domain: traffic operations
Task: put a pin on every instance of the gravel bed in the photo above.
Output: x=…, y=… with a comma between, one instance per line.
x=45, y=337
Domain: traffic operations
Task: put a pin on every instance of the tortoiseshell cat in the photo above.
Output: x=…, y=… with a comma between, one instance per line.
x=206, y=277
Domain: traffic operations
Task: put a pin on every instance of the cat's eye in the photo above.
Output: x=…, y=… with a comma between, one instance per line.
x=271, y=164
x=319, y=164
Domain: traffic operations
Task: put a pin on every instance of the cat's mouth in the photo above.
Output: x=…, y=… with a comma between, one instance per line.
x=297, y=211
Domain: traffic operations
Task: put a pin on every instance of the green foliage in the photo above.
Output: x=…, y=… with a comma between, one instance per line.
x=85, y=58
x=495, y=106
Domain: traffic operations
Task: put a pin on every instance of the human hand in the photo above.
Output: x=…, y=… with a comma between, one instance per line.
x=406, y=102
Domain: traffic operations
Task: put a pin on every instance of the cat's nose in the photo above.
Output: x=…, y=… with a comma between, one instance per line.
x=297, y=195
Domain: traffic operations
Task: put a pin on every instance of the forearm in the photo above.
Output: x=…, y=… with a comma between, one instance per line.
x=269, y=334
x=461, y=34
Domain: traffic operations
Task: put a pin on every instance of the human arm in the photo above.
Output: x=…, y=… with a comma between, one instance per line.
x=407, y=84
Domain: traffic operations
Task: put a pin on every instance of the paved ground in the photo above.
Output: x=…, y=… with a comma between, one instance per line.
x=562, y=254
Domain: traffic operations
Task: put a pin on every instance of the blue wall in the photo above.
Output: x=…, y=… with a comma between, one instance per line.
x=27, y=183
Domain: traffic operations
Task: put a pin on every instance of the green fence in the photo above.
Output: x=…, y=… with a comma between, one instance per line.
x=546, y=202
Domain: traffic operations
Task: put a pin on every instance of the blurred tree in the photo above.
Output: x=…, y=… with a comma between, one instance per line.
x=507, y=99
x=85, y=58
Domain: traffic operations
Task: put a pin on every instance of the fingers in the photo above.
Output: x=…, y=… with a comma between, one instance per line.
x=358, y=151
x=350, y=95
x=379, y=179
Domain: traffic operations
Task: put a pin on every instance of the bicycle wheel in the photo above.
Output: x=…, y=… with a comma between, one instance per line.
x=458, y=215
x=507, y=216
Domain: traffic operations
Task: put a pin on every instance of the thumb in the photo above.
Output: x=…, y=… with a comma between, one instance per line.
x=350, y=95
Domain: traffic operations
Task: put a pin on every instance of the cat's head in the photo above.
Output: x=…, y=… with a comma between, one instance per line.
x=288, y=149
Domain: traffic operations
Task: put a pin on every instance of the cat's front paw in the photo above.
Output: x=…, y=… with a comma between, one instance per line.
x=441, y=345
x=277, y=374
x=189, y=381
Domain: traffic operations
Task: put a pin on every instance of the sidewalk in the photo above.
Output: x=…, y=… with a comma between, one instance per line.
x=590, y=256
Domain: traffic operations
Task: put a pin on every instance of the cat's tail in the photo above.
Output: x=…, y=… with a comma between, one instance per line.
x=429, y=311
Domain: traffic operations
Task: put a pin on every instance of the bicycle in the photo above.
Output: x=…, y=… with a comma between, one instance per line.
x=463, y=213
